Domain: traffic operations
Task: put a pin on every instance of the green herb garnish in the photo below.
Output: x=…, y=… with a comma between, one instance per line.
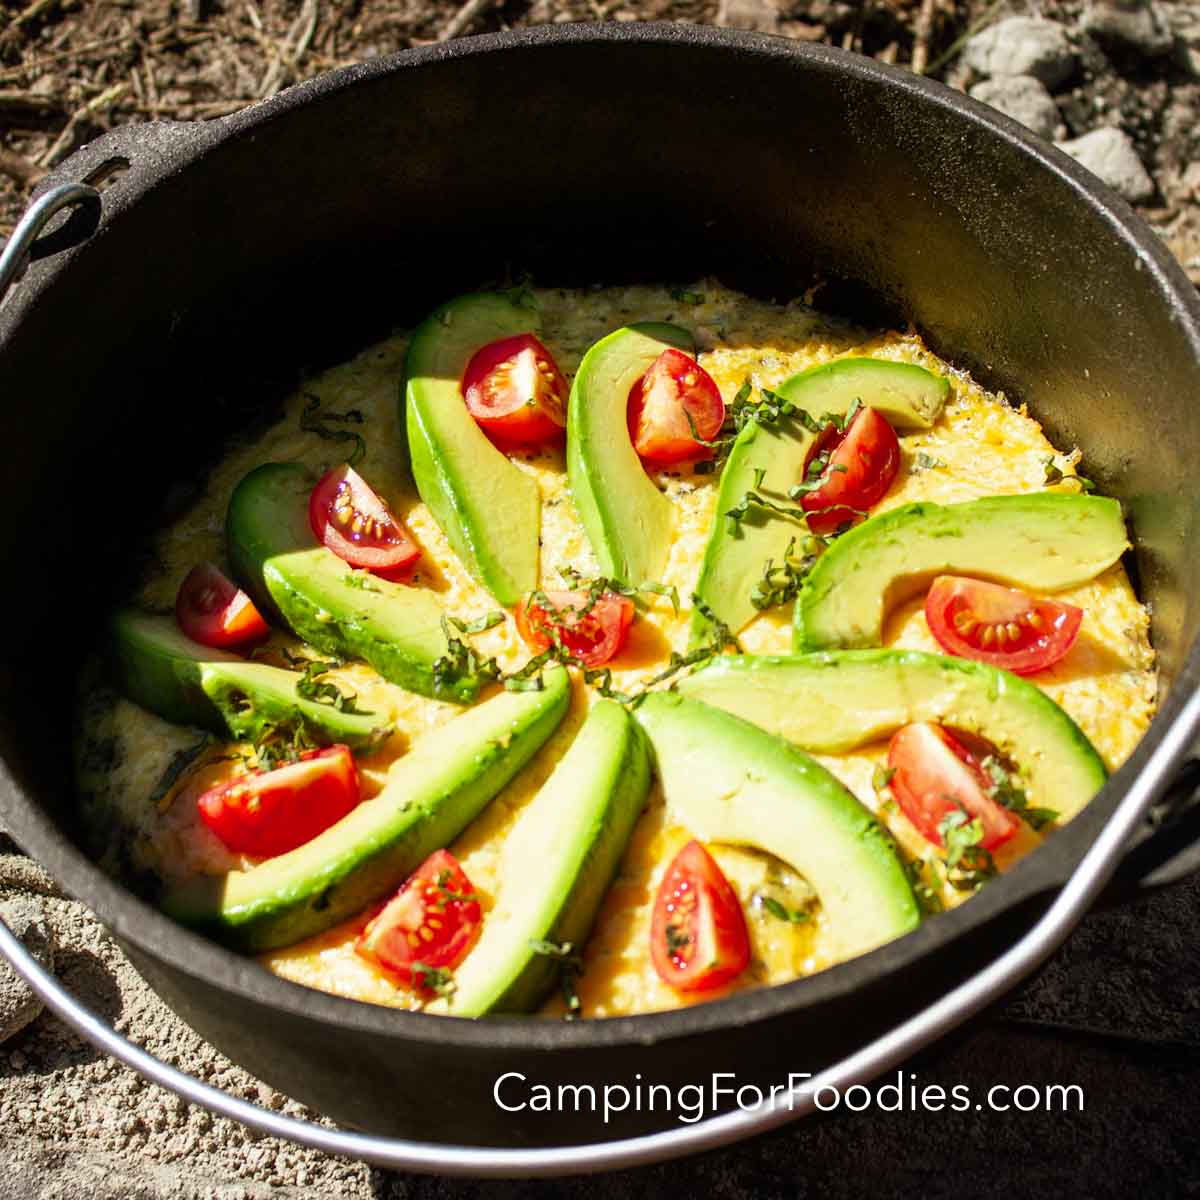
x=782, y=583
x=461, y=662
x=968, y=864
x=438, y=980
x=361, y=580
x=928, y=894
x=310, y=686
x=570, y=967
x=1004, y=790
x=882, y=777
x=793, y=916
x=313, y=420
x=925, y=462
x=686, y=297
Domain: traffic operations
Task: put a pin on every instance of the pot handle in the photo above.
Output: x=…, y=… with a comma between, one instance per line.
x=887, y=1051
x=25, y=245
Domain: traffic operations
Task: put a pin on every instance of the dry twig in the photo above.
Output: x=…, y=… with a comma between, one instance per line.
x=64, y=141
x=20, y=169
x=922, y=35
x=464, y=18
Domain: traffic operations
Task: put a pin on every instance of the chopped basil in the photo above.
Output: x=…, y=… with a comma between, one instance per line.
x=686, y=297
x=1004, y=790
x=438, y=980
x=361, y=580
x=446, y=893
x=313, y=420
x=570, y=967
x=310, y=686
x=882, y=777
x=461, y=662
x=782, y=583
x=925, y=462
x=968, y=864
x=793, y=916
x=677, y=940
x=928, y=894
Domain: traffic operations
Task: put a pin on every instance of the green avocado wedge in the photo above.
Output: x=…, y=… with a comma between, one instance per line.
x=431, y=794
x=185, y=683
x=833, y=702
x=627, y=519
x=353, y=614
x=1044, y=541
x=729, y=781
x=488, y=509
x=556, y=867
x=908, y=396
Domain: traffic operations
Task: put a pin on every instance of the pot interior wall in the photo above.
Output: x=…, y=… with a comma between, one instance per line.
x=355, y=205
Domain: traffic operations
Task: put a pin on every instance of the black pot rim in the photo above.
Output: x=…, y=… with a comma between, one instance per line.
x=156, y=935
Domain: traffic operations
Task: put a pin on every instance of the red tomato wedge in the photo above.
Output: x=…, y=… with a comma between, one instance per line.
x=698, y=937
x=351, y=520
x=430, y=923
x=515, y=391
x=593, y=635
x=215, y=612
x=998, y=625
x=676, y=386
x=277, y=811
x=935, y=774
x=863, y=461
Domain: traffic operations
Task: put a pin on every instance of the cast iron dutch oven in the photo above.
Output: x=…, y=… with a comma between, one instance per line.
x=232, y=254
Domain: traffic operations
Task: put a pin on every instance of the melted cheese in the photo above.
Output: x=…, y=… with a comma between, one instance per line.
x=982, y=447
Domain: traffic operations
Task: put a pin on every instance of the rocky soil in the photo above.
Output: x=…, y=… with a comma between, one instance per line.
x=1115, y=82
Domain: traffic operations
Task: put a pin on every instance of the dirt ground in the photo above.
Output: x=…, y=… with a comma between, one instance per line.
x=72, y=68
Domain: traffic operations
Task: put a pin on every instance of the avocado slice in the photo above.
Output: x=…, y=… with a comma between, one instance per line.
x=488, y=508
x=730, y=781
x=627, y=519
x=908, y=396
x=832, y=702
x=557, y=864
x=185, y=683
x=1046, y=541
x=397, y=629
x=431, y=794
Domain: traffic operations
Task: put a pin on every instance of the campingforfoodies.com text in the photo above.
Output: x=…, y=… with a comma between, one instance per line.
x=515, y=1092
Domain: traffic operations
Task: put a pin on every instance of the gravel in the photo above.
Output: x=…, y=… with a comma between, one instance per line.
x=1025, y=99
x=19, y=1006
x=76, y=1124
x=1130, y=26
x=1022, y=46
x=1110, y=155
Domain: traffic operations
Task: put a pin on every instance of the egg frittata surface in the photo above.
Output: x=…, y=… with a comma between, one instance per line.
x=140, y=777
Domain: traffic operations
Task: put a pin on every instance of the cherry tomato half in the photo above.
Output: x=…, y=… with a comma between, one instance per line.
x=276, y=811
x=863, y=461
x=515, y=391
x=698, y=937
x=1002, y=626
x=349, y=518
x=676, y=386
x=215, y=612
x=936, y=774
x=432, y=921
x=594, y=636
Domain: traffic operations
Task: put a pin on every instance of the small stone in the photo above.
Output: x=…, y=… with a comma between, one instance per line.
x=1130, y=25
x=1109, y=154
x=759, y=15
x=1023, y=98
x=1022, y=46
x=18, y=1004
